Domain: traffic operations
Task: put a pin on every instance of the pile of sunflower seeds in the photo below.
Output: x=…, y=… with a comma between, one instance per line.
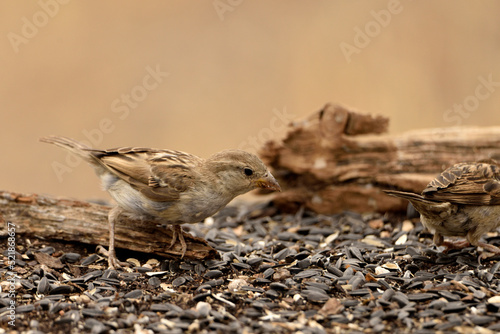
x=308, y=273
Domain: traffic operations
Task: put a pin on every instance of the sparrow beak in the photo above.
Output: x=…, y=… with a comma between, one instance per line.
x=268, y=182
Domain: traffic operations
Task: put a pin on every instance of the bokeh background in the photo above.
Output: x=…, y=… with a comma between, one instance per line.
x=230, y=73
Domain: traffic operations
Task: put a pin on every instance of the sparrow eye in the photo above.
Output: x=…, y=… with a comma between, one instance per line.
x=248, y=171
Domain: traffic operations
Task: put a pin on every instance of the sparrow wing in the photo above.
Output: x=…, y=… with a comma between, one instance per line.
x=467, y=183
x=160, y=175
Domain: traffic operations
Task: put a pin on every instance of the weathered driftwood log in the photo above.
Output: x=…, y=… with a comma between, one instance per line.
x=337, y=160
x=71, y=220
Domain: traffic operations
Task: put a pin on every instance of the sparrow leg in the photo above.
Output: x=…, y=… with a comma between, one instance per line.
x=174, y=235
x=438, y=239
x=178, y=235
x=112, y=260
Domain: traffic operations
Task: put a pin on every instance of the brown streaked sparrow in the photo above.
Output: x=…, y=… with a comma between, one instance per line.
x=172, y=186
x=462, y=201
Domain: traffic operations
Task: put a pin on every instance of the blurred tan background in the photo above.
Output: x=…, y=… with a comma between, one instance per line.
x=208, y=75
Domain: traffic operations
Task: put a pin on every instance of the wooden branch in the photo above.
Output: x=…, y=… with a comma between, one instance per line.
x=337, y=160
x=71, y=220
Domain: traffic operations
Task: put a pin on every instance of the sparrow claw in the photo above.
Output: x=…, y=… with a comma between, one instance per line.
x=490, y=248
x=113, y=262
x=455, y=244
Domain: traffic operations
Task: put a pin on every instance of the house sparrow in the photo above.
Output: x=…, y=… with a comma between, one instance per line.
x=463, y=201
x=172, y=186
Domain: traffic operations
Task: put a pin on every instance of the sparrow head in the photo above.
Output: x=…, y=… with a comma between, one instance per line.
x=241, y=171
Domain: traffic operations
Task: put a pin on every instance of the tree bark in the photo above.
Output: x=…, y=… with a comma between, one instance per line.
x=71, y=220
x=337, y=160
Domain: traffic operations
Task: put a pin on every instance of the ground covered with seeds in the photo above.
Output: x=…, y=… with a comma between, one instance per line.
x=277, y=273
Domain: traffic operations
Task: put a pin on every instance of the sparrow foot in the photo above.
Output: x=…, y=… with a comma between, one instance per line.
x=113, y=262
x=489, y=248
x=178, y=235
x=455, y=244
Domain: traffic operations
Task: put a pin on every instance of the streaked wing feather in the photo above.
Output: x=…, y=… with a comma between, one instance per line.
x=467, y=183
x=160, y=175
